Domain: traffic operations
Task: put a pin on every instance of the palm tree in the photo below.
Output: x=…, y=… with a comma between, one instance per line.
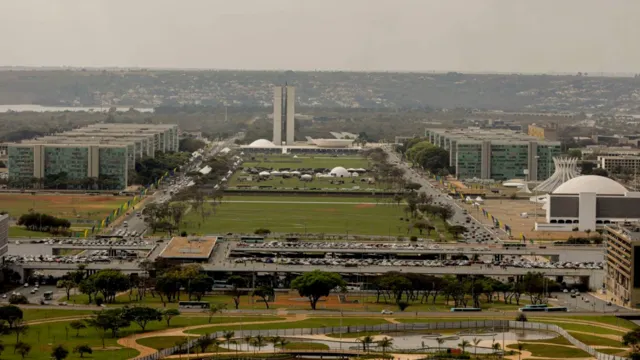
x=496, y=347
x=366, y=341
x=463, y=345
x=216, y=344
x=283, y=343
x=275, y=341
x=247, y=339
x=228, y=335
x=520, y=347
x=259, y=341
x=476, y=341
x=440, y=342
x=385, y=343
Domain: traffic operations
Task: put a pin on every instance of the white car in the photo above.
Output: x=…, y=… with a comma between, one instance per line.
x=386, y=312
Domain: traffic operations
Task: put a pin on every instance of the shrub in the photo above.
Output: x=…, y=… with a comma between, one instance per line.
x=262, y=231
x=18, y=299
x=413, y=238
x=521, y=317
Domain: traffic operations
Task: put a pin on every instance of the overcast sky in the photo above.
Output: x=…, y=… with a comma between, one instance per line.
x=364, y=35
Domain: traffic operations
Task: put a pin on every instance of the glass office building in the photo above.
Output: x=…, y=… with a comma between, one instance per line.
x=496, y=154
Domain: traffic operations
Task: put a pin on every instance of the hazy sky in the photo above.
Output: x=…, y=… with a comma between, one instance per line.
x=404, y=35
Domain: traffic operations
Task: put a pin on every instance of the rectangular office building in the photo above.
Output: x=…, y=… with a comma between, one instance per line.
x=31, y=165
x=496, y=154
x=4, y=234
x=622, y=271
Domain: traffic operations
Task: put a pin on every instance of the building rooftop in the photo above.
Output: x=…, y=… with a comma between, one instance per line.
x=189, y=248
x=493, y=135
x=593, y=184
x=630, y=229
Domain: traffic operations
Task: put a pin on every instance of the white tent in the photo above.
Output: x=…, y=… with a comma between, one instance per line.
x=355, y=174
x=361, y=170
x=306, y=177
x=295, y=173
x=351, y=170
x=276, y=173
x=285, y=172
x=264, y=173
x=479, y=200
x=468, y=199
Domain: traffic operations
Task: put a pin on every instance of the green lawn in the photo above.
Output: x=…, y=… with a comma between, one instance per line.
x=308, y=323
x=596, y=340
x=301, y=162
x=68, y=206
x=559, y=340
x=306, y=346
x=611, y=320
x=551, y=351
x=580, y=327
x=303, y=217
x=19, y=231
x=618, y=352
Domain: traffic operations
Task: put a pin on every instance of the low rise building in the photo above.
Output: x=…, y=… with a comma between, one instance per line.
x=618, y=164
x=543, y=132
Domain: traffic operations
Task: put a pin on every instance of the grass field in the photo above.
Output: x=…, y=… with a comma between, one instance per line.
x=69, y=206
x=551, y=351
x=45, y=314
x=596, y=340
x=304, y=162
x=239, y=179
x=161, y=342
x=303, y=214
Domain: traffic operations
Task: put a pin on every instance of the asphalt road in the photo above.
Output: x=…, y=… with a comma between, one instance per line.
x=459, y=216
x=137, y=223
x=586, y=303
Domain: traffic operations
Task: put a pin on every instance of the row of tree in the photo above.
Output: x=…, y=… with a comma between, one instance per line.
x=43, y=222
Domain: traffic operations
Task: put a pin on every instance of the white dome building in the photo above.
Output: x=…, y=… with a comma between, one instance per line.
x=340, y=172
x=589, y=202
x=591, y=183
x=262, y=143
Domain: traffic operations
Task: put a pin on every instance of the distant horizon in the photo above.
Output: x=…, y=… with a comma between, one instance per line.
x=149, y=68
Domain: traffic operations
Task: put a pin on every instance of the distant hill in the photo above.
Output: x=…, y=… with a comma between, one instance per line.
x=149, y=88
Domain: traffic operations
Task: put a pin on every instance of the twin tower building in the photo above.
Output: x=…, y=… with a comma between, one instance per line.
x=284, y=110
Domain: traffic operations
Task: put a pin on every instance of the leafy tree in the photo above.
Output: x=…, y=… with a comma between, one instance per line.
x=190, y=145
x=199, y=285
x=19, y=328
x=59, y=352
x=23, y=349
x=456, y=231
x=463, y=345
x=316, y=284
x=67, y=285
x=632, y=338
x=10, y=313
x=109, y=283
x=170, y=314
x=18, y=299
x=521, y=317
x=141, y=315
x=265, y=293
x=77, y=326
x=214, y=309
x=88, y=288
x=83, y=349
x=110, y=319
x=236, y=282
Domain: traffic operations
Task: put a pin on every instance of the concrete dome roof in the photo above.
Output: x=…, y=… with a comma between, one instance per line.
x=591, y=183
x=339, y=171
x=262, y=143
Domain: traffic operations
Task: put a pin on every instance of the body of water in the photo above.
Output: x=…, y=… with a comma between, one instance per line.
x=39, y=108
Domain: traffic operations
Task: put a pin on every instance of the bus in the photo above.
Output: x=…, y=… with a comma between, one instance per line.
x=514, y=245
x=535, y=306
x=252, y=239
x=193, y=305
x=558, y=309
x=465, y=309
x=48, y=295
x=531, y=309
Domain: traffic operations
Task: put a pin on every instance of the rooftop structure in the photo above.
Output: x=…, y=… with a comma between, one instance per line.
x=189, y=249
x=566, y=169
x=497, y=154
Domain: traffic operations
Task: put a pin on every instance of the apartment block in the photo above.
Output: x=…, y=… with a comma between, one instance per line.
x=622, y=276
x=497, y=154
